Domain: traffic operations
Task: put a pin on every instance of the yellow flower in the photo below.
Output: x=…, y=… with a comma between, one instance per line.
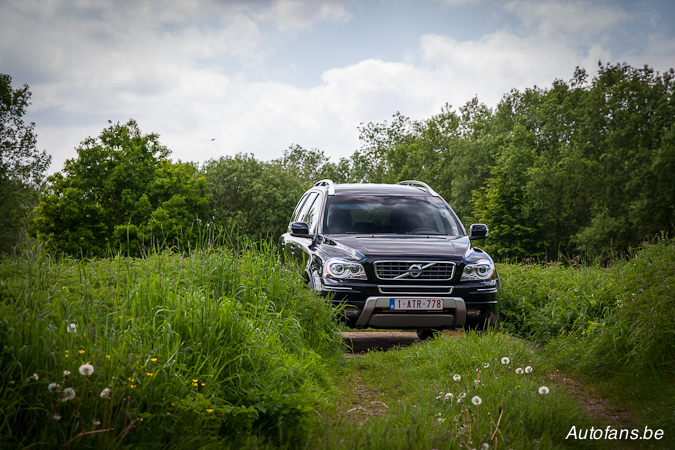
x=153, y=359
x=195, y=384
x=203, y=384
x=172, y=404
x=133, y=386
x=107, y=356
x=209, y=410
x=194, y=381
x=168, y=414
x=149, y=374
x=81, y=352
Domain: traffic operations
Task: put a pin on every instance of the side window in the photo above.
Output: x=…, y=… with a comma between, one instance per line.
x=303, y=211
x=294, y=217
x=313, y=215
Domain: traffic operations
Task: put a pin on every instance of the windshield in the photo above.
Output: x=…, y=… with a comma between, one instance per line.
x=372, y=214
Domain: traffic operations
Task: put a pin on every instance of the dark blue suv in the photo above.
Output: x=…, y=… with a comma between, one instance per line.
x=393, y=256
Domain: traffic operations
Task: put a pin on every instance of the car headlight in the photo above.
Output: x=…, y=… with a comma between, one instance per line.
x=341, y=269
x=482, y=270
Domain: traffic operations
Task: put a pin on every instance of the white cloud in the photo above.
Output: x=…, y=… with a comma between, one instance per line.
x=294, y=15
x=576, y=20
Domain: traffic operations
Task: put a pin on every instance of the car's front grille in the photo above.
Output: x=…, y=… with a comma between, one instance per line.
x=415, y=290
x=414, y=270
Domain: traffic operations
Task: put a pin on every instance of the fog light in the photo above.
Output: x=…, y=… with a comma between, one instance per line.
x=352, y=311
x=473, y=312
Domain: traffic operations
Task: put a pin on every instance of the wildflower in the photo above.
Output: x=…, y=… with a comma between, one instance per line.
x=476, y=400
x=486, y=365
x=149, y=374
x=441, y=420
x=476, y=382
x=209, y=410
x=153, y=359
x=456, y=377
x=484, y=445
x=34, y=377
x=195, y=384
x=105, y=393
x=448, y=396
x=203, y=384
x=57, y=416
x=528, y=369
x=519, y=370
x=543, y=390
x=462, y=395
x=97, y=422
x=72, y=328
x=68, y=394
x=54, y=387
x=86, y=369
x=81, y=352
x=107, y=356
x=66, y=373
x=194, y=381
x=506, y=360
x=133, y=386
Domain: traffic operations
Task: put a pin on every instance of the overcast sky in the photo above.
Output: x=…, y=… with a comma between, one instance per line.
x=219, y=77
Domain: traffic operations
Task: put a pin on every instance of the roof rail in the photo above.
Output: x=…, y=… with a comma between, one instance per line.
x=417, y=184
x=327, y=182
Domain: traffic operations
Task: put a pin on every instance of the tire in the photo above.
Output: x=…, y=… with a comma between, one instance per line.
x=427, y=333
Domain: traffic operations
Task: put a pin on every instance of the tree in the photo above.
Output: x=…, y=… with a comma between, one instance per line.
x=121, y=193
x=22, y=165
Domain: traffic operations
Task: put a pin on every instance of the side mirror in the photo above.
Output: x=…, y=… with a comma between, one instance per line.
x=478, y=231
x=299, y=229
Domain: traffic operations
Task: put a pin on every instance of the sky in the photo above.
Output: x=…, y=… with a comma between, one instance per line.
x=221, y=77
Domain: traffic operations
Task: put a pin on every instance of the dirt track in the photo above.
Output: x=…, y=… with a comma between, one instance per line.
x=362, y=341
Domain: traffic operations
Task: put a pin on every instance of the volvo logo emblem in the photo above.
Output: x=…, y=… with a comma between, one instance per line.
x=415, y=270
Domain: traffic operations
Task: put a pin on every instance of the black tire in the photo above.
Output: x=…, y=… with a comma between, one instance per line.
x=427, y=333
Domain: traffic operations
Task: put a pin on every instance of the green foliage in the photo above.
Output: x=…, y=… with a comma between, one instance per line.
x=422, y=399
x=222, y=347
x=614, y=326
x=121, y=193
x=22, y=166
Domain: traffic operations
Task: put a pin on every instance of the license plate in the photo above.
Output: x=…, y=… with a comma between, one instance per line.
x=423, y=304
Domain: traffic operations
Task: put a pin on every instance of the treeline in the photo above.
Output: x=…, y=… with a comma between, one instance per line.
x=584, y=166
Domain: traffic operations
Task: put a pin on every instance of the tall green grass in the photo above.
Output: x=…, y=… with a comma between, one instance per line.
x=224, y=346
x=450, y=393
x=613, y=326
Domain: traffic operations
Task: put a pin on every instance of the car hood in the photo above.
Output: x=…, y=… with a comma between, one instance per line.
x=398, y=247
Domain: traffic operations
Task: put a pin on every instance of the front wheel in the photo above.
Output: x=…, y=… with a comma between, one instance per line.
x=427, y=333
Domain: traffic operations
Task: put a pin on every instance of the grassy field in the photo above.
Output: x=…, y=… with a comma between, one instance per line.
x=225, y=348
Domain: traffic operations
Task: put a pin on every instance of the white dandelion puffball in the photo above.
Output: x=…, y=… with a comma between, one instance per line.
x=68, y=394
x=35, y=377
x=484, y=446
x=543, y=390
x=66, y=373
x=462, y=395
x=448, y=396
x=456, y=377
x=486, y=365
x=441, y=420
x=476, y=400
x=54, y=387
x=105, y=393
x=72, y=328
x=506, y=360
x=57, y=416
x=528, y=369
x=519, y=370
x=97, y=422
x=86, y=369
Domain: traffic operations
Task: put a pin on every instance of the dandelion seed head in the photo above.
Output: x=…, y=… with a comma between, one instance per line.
x=476, y=400
x=97, y=422
x=105, y=393
x=448, y=396
x=54, y=387
x=57, y=416
x=462, y=395
x=485, y=445
x=441, y=419
x=519, y=370
x=34, y=377
x=476, y=381
x=456, y=377
x=486, y=365
x=528, y=369
x=505, y=360
x=66, y=373
x=543, y=390
x=86, y=369
x=72, y=328
x=68, y=394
